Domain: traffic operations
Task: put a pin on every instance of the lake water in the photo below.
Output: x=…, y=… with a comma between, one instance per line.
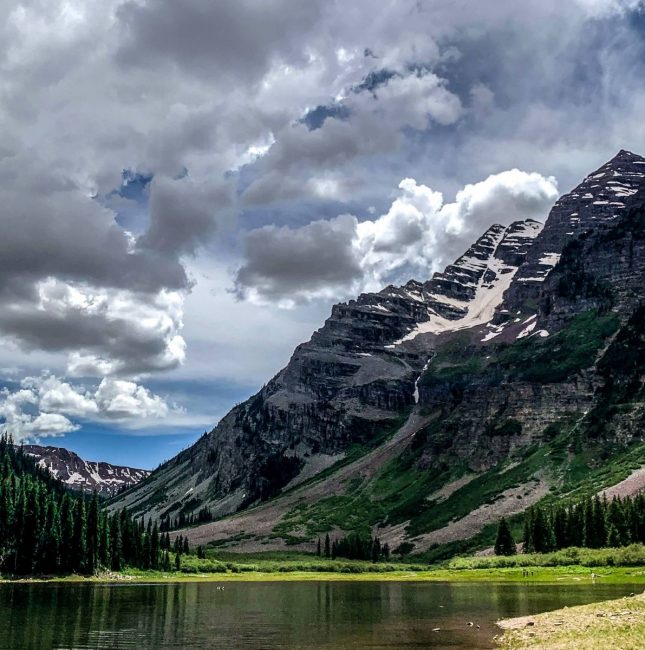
x=273, y=614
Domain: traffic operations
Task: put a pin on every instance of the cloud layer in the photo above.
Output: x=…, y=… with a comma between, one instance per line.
x=47, y=406
x=144, y=141
x=418, y=235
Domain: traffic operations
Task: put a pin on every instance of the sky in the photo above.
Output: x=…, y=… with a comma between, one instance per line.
x=186, y=188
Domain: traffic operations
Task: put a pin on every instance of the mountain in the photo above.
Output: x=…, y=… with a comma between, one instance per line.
x=427, y=411
x=79, y=474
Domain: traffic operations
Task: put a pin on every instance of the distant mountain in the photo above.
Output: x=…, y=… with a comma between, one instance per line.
x=425, y=412
x=79, y=474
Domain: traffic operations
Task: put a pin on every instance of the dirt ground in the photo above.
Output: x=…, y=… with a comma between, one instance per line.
x=609, y=625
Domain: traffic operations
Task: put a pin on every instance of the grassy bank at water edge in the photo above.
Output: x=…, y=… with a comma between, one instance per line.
x=609, y=624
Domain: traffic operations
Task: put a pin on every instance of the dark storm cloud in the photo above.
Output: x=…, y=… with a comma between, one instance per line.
x=50, y=229
x=282, y=262
x=182, y=215
x=238, y=41
x=308, y=106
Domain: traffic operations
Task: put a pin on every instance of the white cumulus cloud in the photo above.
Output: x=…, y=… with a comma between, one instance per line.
x=418, y=235
x=48, y=406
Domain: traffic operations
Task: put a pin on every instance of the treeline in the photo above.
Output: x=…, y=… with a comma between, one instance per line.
x=588, y=523
x=354, y=547
x=203, y=516
x=44, y=529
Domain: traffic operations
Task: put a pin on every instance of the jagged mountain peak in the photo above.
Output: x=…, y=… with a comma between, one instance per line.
x=78, y=474
x=378, y=356
x=602, y=197
x=625, y=156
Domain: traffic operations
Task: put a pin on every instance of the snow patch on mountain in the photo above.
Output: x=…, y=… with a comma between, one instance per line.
x=79, y=474
x=482, y=273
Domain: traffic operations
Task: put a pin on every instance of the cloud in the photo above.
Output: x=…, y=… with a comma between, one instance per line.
x=44, y=406
x=119, y=400
x=283, y=263
x=104, y=331
x=368, y=121
x=211, y=100
x=182, y=214
x=236, y=41
x=417, y=235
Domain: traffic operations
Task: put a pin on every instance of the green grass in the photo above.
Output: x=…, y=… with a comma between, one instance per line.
x=350, y=570
x=566, y=458
x=541, y=360
x=610, y=624
x=562, y=354
x=353, y=511
x=628, y=556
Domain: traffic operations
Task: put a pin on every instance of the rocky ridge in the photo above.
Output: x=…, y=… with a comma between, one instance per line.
x=79, y=474
x=487, y=363
x=351, y=383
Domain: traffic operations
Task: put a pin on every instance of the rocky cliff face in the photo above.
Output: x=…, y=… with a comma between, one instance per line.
x=492, y=359
x=79, y=474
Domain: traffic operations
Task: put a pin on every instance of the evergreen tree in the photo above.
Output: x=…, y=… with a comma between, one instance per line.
x=504, y=543
x=79, y=544
x=104, y=541
x=560, y=527
x=527, y=536
x=327, y=546
x=541, y=533
x=376, y=550
x=116, y=544
x=154, y=544
x=67, y=534
x=599, y=526
x=50, y=540
x=92, y=535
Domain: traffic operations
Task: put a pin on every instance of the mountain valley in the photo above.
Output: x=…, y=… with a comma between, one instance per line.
x=423, y=413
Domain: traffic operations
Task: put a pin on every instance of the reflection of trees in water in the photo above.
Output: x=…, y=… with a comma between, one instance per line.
x=329, y=614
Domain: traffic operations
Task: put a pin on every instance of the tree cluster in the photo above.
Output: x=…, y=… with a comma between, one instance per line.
x=355, y=547
x=592, y=522
x=45, y=529
x=183, y=520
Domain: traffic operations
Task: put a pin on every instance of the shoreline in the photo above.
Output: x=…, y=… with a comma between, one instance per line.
x=539, y=575
x=611, y=623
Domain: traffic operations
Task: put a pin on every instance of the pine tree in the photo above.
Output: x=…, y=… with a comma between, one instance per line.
x=599, y=527
x=79, y=544
x=376, y=550
x=527, y=537
x=116, y=543
x=504, y=543
x=67, y=534
x=50, y=540
x=560, y=527
x=541, y=532
x=104, y=541
x=318, y=549
x=154, y=547
x=588, y=523
x=92, y=535
x=327, y=546
x=617, y=528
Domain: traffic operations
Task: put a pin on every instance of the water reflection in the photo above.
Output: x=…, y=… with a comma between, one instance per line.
x=272, y=615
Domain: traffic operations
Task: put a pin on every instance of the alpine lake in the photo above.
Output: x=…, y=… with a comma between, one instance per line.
x=266, y=615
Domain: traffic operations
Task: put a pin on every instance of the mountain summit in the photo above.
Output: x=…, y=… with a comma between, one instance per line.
x=430, y=409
